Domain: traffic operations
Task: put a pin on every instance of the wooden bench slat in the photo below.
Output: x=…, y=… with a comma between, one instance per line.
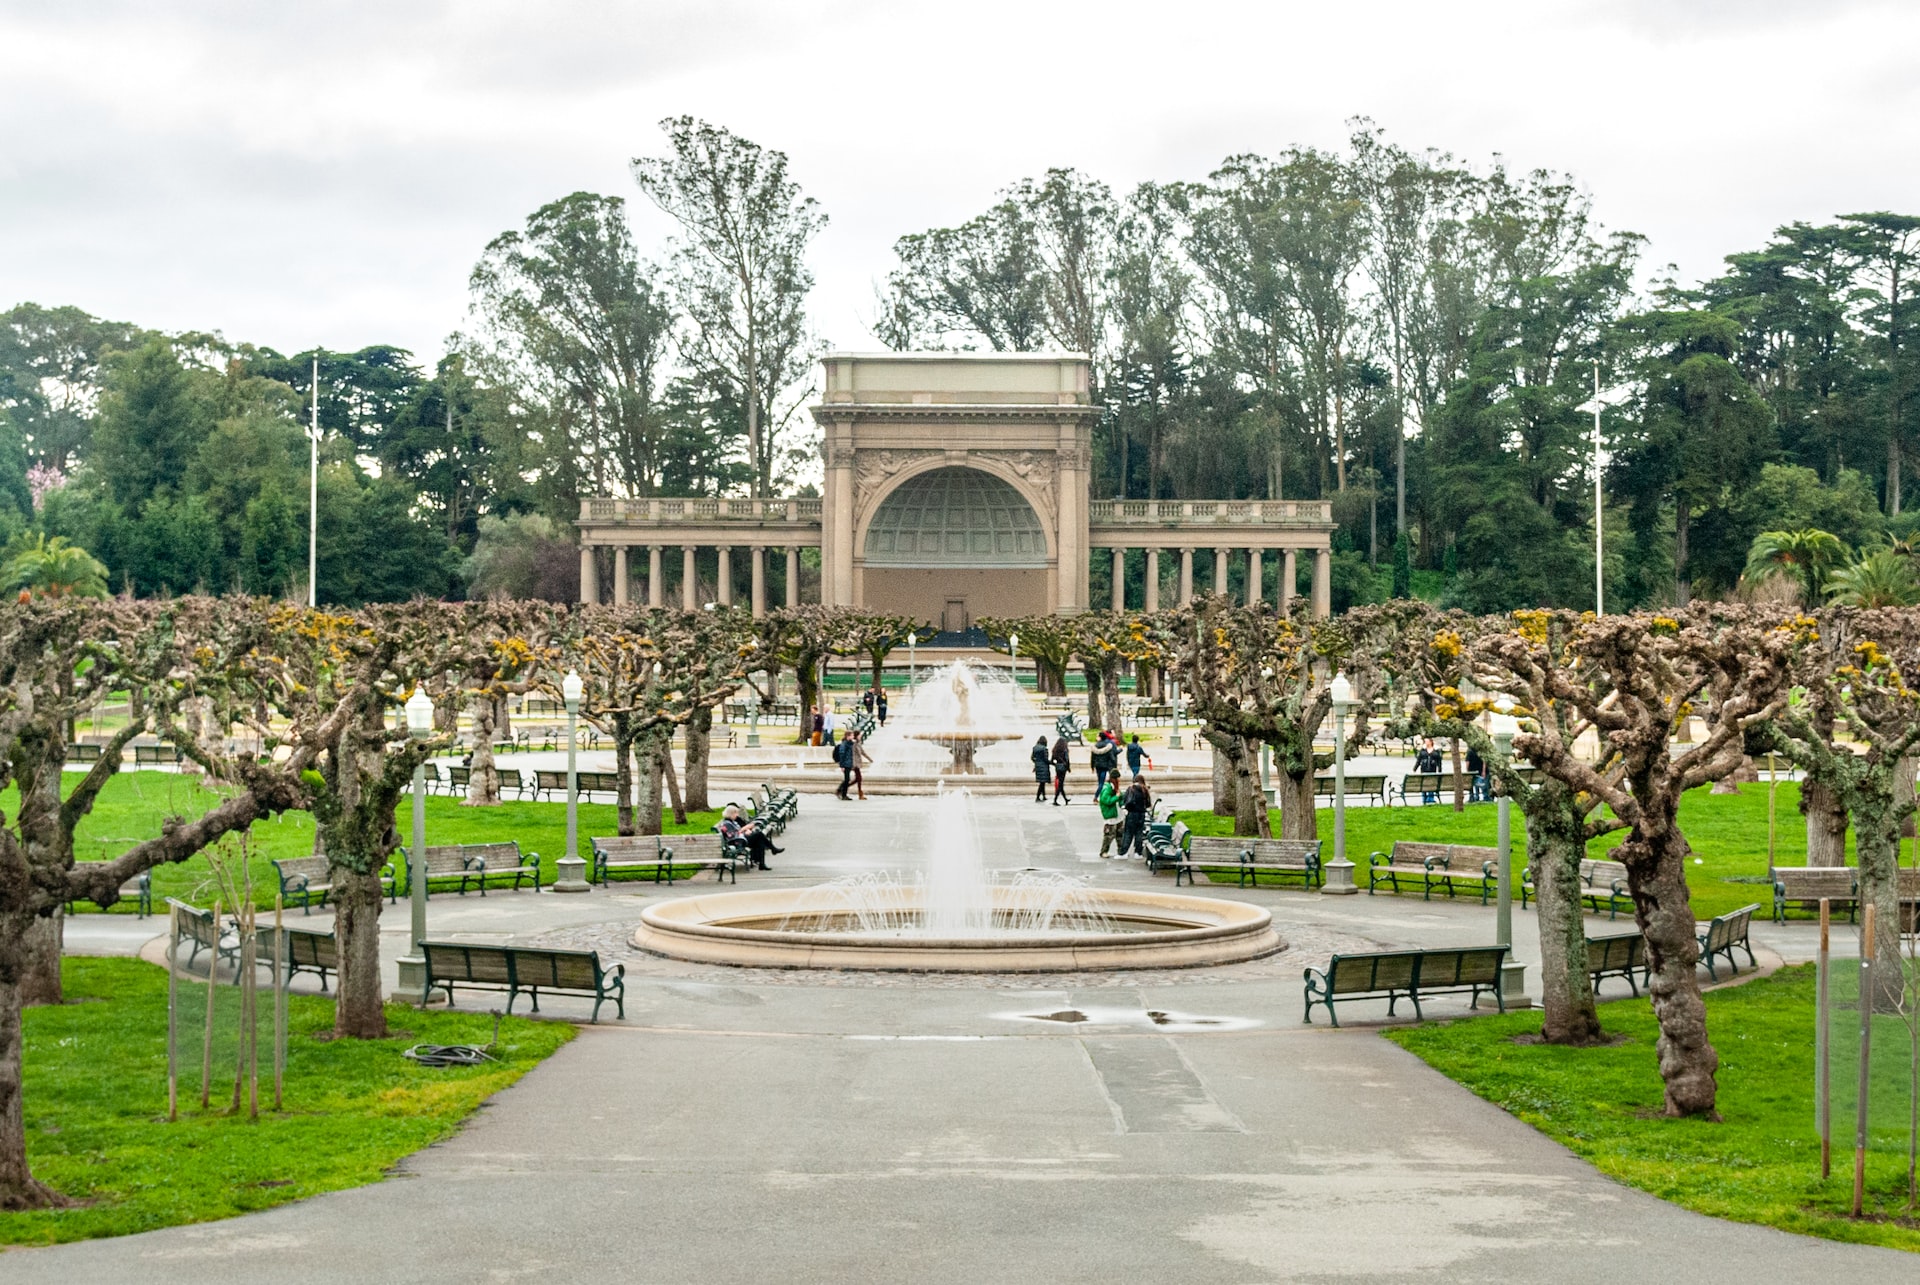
x=1406, y=974
x=522, y=970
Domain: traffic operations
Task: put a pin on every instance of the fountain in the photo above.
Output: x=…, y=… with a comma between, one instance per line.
x=953, y=725
x=957, y=917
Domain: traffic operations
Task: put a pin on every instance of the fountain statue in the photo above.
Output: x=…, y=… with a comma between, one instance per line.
x=956, y=729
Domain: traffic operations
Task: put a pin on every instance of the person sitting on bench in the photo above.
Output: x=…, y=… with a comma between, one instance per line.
x=734, y=830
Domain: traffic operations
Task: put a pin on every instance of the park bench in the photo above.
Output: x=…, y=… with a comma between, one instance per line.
x=1165, y=844
x=550, y=783
x=139, y=889
x=1719, y=935
x=707, y=851
x=464, y=865
x=1424, y=784
x=1620, y=956
x=153, y=754
x=199, y=927
x=1357, y=786
x=1406, y=974
x=1152, y=714
x=84, y=752
x=1248, y=857
x=307, y=950
x=769, y=822
x=1600, y=882
x=1808, y=886
x=1434, y=865
x=522, y=969
x=310, y=879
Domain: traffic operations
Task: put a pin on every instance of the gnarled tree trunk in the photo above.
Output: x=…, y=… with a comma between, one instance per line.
x=1250, y=818
x=699, y=745
x=1110, y=693
x=40, y=948
x=1876, y=840
x=1826, y=824
x=19, y=1189
x=1656, y=868
x=359, y=1011
x=1225, y=787
x=483, y=781
x=1298, y=817
x=650, y=752
x=1566, y=988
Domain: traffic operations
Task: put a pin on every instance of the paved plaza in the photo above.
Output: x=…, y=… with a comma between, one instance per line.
x=748, y=1125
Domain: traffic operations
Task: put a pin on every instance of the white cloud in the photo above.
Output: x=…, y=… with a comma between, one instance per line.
x=328, y=173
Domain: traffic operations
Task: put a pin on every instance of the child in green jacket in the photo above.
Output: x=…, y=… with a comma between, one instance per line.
x=1109, y=801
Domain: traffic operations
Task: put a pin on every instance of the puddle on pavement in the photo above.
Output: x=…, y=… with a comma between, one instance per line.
x=1150, y=1018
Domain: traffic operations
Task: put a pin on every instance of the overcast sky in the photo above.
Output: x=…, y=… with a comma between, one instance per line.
x=293, y=173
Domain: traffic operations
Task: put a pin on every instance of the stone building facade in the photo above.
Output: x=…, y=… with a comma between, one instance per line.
x=956, y=485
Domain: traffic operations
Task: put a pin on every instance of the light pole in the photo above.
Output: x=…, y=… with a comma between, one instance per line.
x=1513, y=975
x=913, y=637
x=1013, y=656
x=1339, y=871
x=413, y=968
x=571, y=866
x=1173, y=690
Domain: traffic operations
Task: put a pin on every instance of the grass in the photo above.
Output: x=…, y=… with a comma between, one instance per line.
x=132, y=805
x=1760, y=1164
x=1728, y=833
x=95, y=1100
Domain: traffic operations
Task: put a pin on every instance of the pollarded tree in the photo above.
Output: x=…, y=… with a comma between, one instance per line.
x=1638, y=678
x=1106, y=642
x=521, y=628
x=1850, y=674
x=338, y=680
x=58, y=658
x=875, y=635
x=1048, y=641
x=1442, y=657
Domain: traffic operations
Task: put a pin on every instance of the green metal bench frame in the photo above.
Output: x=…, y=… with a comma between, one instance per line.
x=1395, y=975
x=523, y=969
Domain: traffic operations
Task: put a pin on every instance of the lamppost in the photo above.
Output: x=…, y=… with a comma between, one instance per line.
x=571, y=866
x=1173, y=690
x=1339, y=871
x=753, y=714
x=1513, y=975
x=413, y=968
x=912, y=638
x=1013, y=655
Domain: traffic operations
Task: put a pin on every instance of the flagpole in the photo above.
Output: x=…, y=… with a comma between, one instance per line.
x=1599, y=565
x=313, y=493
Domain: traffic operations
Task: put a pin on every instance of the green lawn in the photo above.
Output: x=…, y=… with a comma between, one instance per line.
x=95, y=1098
x=1760, y=1164
x=133, y=804
x=1728, y=833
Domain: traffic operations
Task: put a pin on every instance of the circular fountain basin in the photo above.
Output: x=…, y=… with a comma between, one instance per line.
x=790, y=928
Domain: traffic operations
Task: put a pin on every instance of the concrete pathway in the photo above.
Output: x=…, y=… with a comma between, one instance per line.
x=833, y=1127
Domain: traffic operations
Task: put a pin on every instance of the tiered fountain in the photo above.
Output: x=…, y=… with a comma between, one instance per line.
x=952, y=723
x=960, y=917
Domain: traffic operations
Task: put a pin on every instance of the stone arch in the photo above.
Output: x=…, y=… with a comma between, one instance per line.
x=1039, y=502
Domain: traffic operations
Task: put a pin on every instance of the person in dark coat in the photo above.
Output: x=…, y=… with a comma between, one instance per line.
x=1135, y=752
x=1042, y=769
x=1137, y=803
x=1061, y=763
x=880, y=709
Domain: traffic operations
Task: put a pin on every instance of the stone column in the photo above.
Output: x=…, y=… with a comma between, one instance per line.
x=1322, y=583
x=687, y=585
x=1289, y=577
x=620, y=587
x=1119, y=579
x=793, y=575
x=1186, y=577
x=759, y=581
x=589, y=575
x=836, y=526
x=1219, y=570
x=1253, y=577
x=726, y=575
x=655, y=596
x=1153, y=579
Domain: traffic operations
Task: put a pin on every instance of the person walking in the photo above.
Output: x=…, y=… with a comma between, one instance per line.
x=866, y=700
x=1135, y=752
x=1137, y=803
x=830, y=722
x=1061, y=763
x=1042, y=768
x=843, y=759
x=880, y=708
x=1109, y=801
x=819, y=726
x=860, y=758
x=1105, y=757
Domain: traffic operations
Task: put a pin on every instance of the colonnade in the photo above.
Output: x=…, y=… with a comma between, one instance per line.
x=1322, y=590
x=656, y=585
